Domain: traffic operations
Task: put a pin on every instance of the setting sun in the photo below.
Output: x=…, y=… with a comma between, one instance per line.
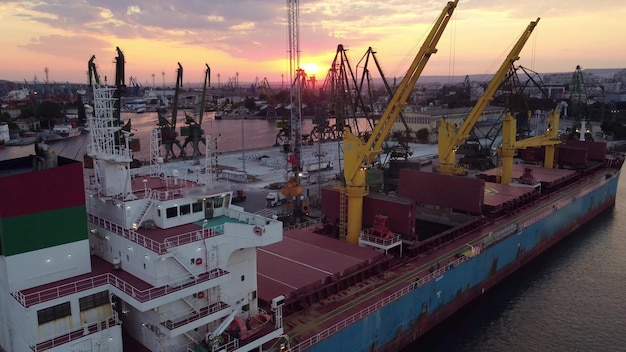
x=310, y=68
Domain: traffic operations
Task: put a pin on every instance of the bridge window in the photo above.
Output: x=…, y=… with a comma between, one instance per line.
x=171, y=212
x=185, y=209
x=95, y=300
x=53, y=313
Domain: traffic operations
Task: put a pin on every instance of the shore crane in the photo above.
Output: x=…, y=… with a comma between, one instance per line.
x=193, y=130
x=359, y=154
x=168, y=128
x=92, y=72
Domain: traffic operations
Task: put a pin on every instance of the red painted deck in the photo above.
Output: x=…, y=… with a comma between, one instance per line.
x=547, y=177
x=304, y=261
x=503, y=197
x=173, y=186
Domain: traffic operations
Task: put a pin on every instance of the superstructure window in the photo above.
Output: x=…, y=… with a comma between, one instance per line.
x=49, y=314
x=185, y=209
x=218, y=202
x=197, y=207
x=95, y=300
x=171, y=212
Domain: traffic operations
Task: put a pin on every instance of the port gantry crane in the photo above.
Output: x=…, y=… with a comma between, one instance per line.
x=360, y=154
x=194, y=130
x=449, y=140
x=168, y=128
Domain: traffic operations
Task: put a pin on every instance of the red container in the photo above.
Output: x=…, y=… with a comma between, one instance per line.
x=401, y=211
x=455, y=192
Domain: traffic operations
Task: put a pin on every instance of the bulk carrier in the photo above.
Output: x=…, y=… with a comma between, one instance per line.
x=109, y=258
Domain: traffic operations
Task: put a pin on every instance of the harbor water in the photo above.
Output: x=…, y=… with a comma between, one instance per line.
x=228, y=134
x=568, y=299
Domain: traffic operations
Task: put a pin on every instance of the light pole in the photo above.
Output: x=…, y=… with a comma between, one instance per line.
x=243, y=146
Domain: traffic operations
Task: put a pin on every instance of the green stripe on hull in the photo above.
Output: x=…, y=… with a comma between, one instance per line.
x=21, y=234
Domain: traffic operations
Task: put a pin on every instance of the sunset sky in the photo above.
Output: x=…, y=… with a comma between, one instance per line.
x=249, y=37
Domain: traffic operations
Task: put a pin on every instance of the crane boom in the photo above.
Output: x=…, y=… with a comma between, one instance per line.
x=449, y=140
x=93, y=72
x=207, y=81
x=179, y=84
x=359, y=155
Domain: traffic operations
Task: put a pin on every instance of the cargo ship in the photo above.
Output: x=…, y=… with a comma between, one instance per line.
x=105, y=257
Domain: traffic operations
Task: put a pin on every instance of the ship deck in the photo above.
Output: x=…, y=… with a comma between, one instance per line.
x=339, y=310
x=304, y=263
x=547, y=177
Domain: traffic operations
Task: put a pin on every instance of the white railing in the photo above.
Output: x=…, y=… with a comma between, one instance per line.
x=193, y=316
x=74, y=334
x=386, y=242
x=28, y=300
x=155, y=246
x=304, y=224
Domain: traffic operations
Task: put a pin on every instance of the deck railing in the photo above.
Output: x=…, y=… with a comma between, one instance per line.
x=75, y=334
x=304, y=224
x=304, y=345
x=385, y=242
x=153, y=245
x=193, y=316
x=30, y=299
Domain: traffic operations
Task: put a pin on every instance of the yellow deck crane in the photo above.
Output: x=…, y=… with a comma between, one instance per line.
x=510, y=145
x=449, y=139
x=359, y=154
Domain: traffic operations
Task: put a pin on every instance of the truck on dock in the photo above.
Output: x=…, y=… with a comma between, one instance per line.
x=275, y=198
x=239, y=196
x=319, y=166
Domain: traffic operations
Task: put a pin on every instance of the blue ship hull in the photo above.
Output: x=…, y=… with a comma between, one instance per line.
x=431, y=299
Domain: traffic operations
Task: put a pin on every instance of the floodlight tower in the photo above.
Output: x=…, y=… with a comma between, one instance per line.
x=293, y=33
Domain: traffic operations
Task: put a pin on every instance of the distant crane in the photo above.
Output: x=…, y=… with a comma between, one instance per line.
x=168, y=128
x=194, y=131
x=578, y=96
x=135, y=84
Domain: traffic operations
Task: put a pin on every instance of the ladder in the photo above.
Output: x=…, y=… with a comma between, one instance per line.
x=343, y=213
x=149, y=196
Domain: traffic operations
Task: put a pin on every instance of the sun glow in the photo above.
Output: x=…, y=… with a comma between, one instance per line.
x=310, y=68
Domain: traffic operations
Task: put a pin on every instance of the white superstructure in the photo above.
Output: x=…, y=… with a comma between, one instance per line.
x=163, y=254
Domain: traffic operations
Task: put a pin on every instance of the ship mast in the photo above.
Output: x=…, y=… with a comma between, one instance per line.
x=109, y=138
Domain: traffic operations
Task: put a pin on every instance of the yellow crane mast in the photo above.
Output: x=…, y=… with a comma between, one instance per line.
x=510, y=144
x=359, y=154
x=449, y=139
